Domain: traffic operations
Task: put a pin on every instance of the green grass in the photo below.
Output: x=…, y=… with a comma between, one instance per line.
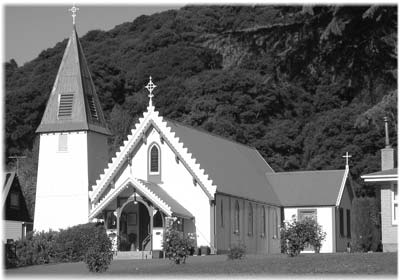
x=305, y=264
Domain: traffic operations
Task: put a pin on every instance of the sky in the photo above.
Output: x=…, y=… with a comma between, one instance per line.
x=31, y=28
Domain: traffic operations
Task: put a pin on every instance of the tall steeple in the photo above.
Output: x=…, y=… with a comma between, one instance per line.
x=73, y=148
x=73, y=104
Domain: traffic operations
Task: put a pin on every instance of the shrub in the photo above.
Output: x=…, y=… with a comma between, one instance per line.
x=237, y=252
x=296, y=235
x=99, y=255
x=177, y=247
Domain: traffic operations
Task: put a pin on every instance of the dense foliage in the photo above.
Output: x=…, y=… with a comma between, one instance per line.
x=86, y=242
x=366, y=233
x=176, y=245
x=303, y=85
x=237, y=252
x=296, y=235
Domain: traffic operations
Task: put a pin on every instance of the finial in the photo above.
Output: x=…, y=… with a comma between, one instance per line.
x=150, y=87
x=347, y=156
x=387, y=143
x=73, y=10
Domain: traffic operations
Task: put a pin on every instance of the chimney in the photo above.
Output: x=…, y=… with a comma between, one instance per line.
x=387, y=154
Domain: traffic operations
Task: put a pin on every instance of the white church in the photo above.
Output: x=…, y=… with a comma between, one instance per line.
x=220, y=191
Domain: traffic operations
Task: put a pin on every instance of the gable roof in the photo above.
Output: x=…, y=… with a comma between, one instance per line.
x=309, y=188
x=384, y=175
x=7, y=183
x=235, y=169
x=73, y=104
x=176, y=208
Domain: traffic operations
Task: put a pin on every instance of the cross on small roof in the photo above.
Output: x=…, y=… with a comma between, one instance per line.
x=73, y=10
x=150, y=87
x=347, y=156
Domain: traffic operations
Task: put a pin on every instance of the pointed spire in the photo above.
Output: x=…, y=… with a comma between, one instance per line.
x=73, y=104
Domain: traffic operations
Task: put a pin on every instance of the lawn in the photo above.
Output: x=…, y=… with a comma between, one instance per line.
x=305, y=264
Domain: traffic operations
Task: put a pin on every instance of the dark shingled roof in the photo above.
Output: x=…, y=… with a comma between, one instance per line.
x=176, y=208
x=382, y=173
x=307, y=188
x=235, y=169
x=74, y=83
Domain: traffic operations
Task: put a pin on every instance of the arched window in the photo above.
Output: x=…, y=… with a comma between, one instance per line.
x=222, y=213
x=154, y=160
x=275, y=222
x=263, y=222
x=250, y=220
x=237, y=217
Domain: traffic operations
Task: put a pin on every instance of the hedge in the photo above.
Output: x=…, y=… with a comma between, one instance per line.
x=86, y=242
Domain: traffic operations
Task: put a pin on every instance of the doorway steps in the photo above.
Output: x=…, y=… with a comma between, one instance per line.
x=133, y=255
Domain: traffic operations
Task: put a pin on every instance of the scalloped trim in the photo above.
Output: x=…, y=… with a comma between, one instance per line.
x=152, y=117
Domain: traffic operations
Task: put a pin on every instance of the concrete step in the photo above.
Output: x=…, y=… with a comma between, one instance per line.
x=133, y=255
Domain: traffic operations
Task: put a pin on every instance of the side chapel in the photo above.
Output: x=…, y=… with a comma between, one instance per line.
x=213, y=188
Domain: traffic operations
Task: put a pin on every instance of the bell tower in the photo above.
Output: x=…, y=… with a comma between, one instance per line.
x=73, y=143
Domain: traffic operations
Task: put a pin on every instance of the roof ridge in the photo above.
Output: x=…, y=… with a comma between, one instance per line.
x=305, y=171
x=200, y=129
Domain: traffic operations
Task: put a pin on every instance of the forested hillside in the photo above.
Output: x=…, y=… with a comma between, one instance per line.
x=303, y=85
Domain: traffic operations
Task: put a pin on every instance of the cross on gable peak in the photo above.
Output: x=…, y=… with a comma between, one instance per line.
x=347, y=156
x=150, y=87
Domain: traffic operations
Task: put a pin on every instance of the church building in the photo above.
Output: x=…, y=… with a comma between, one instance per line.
x=220, y=192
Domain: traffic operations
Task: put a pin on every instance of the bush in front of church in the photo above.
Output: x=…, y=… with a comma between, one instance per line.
x=237, y=252
x=87, y=242
x=177, y=247
x=296, y=235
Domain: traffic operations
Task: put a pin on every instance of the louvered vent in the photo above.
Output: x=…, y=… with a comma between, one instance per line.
x=65, y=105
x=92, y=107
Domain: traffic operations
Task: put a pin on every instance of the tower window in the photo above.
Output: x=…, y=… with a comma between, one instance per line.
x=65, y=105
x=63, y=142
x=154, y=160
x=92, y=107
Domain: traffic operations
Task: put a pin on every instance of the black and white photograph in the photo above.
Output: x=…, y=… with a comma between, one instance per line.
x=200, y=140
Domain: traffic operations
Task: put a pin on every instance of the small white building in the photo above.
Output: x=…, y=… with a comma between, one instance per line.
x=325, y=196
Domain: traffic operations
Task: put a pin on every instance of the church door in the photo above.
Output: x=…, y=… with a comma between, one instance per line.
x=144, y=228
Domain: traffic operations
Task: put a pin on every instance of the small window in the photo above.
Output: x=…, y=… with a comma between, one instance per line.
x=263, y=222
x=348, y=222
x=92, y=107
x=341, y=221
x=65, y=105
x=154, y=160
x=14, y=200
x=250, y=220
x=237, y=217
x=63, y=142
x=395, y=204
x=222, y=213
x=307, y=214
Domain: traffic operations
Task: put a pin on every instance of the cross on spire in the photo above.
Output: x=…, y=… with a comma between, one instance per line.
x=150, y=87
x=73, y=10
x=347, y=156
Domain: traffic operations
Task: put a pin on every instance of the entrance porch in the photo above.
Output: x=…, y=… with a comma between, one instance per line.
x=135, y=222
